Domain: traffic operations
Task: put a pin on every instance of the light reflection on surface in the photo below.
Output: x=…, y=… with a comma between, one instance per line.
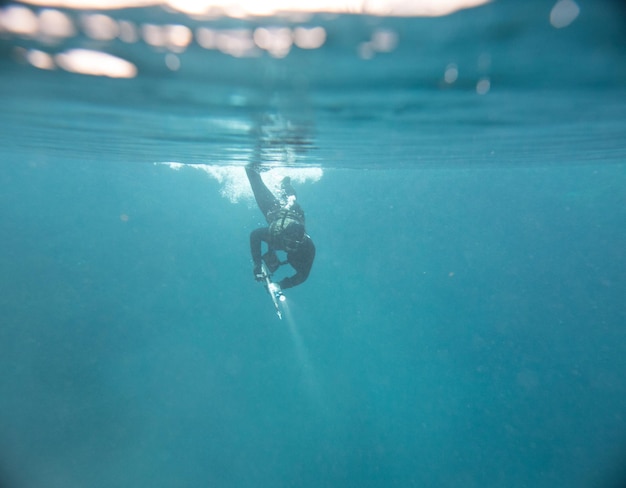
x=483, y=86
x=153, y=35
x=451, y=74
x=95, y=63
x=309, y=38
x=172, y=62
x=55, y=24
x=245, y=8
x=178, y=37
x=382, y=41
x=40, y=59
x=564, y=13
x=275, y=40
x=128, y=31
x=100, y=27
x=19, y=20
x=236, y=42
x=206, y=37
x=51, y=27
x=173, y=37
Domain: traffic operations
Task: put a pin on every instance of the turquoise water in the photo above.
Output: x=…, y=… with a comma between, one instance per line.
x=463, y=324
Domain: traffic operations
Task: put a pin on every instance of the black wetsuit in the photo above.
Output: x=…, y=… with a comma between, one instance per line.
x=301, y=258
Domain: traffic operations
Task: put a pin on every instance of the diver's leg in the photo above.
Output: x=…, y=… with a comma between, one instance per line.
x=264, y=197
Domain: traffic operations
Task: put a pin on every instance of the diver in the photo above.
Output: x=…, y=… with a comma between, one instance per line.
x=285, y=232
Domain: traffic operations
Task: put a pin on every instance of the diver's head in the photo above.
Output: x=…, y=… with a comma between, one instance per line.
x=292, y=236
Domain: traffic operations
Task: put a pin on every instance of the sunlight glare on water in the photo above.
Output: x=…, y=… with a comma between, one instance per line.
x=240, y=8
x=321, y=75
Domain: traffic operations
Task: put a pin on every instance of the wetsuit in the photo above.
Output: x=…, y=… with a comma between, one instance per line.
x=299, y=256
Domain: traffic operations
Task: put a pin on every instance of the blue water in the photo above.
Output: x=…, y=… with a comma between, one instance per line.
x=464, y=321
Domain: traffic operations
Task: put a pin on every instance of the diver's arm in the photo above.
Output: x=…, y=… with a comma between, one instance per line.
x=256, y=238
x=291, y=281
x=302, y=261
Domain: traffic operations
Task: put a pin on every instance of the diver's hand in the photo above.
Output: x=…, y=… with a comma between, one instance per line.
x=258, y=272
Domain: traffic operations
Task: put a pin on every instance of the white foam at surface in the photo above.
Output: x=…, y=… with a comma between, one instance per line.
x=234, y=183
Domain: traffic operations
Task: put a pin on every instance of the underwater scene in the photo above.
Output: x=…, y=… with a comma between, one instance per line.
x=312, y=244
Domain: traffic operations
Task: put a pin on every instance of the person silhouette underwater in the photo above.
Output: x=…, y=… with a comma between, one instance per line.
x=285, y=232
